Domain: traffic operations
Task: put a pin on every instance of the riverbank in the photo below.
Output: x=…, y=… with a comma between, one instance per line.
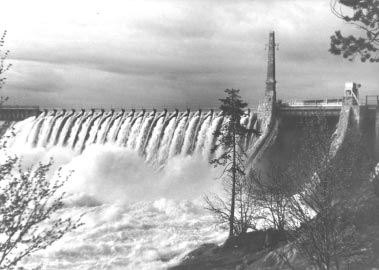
x=258, y=251
x=244, y=251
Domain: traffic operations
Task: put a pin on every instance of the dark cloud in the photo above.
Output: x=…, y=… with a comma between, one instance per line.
x=174, y=52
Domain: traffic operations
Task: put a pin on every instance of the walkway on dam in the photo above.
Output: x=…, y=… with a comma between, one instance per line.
x=294, y=107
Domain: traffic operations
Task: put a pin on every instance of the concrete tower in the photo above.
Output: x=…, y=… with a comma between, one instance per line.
x=267, y=105
x=270, y=81
x=266, y=122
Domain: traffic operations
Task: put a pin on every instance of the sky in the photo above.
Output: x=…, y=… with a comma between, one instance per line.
x=171, y=53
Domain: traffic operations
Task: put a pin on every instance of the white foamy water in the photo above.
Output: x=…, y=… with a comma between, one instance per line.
x=137, y=216
x=144, y=235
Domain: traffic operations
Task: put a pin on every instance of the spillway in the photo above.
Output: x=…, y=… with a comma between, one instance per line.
x=138, y=175
x=156, y=136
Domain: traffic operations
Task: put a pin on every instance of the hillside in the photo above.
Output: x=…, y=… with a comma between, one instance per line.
x=251, y=253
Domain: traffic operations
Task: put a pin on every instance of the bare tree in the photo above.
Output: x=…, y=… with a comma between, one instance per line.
x=272, y=196
x=246, y=212
x=3, y=65
x=29, y=206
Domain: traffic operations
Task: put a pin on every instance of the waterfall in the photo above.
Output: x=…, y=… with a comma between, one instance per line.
x=83, y=131
x=190, y=134
x=94, y=128
x=152, y=146
x=177, y=139
x=59, y=128
x=203, y=132
x=32, y=139
x=76, y=128
x=124, y=129
x=17, y=135
x=131, y=143
x=210, y=138
x=66, y=129
x=166, y=140
x=104, y=127
x=45, y=129
x=144, y=132
x=156, y=136
x=110, y=136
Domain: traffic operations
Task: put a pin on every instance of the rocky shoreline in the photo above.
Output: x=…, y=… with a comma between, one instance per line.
x=279, y=256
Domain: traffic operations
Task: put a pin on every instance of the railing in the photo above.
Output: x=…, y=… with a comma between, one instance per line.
x=327, y=102
x=313, y=103
x=372, y=100
x=19, y=107
x=126, y=106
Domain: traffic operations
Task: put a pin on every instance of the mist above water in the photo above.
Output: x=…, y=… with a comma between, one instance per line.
x=141, y=214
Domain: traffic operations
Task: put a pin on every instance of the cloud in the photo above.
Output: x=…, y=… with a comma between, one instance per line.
x=35, y=77
x=171, y=52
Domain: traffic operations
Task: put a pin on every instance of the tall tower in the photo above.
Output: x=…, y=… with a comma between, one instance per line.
x=266, y=107
x=270, y=81
x=266, y=120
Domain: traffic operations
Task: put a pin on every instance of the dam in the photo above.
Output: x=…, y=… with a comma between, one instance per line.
x=139, y=174
x=160, y=135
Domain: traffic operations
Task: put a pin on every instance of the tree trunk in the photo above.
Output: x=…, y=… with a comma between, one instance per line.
x=231, y=223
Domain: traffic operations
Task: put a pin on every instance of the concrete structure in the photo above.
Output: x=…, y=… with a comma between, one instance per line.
x=377, y=131
x=18, y=113
x=351, y=95
x=271, y=66
x=267, y=122
x=343, y=115
x=347, y=112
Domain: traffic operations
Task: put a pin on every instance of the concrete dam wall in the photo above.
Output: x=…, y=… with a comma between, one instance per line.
x=18, y=113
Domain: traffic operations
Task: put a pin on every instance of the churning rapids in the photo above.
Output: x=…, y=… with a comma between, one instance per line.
x=140, y=178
